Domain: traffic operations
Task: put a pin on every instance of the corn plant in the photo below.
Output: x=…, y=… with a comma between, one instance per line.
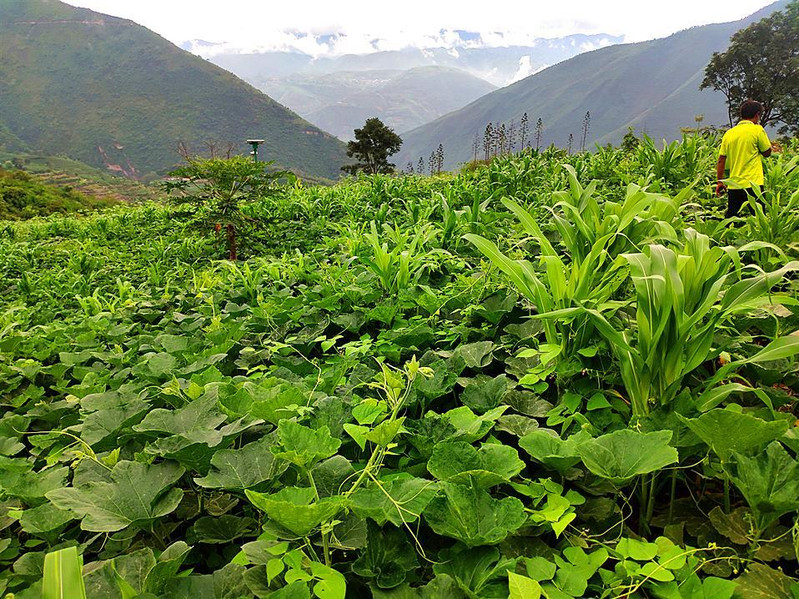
x=62, y=575
x=774, y=221
x=682, y=298
x=589, y=275
x=406, y=261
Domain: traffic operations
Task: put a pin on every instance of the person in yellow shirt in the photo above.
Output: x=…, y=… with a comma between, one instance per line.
x=741, y=149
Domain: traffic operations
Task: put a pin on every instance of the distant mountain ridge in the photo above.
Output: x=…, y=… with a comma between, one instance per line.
x=498, y=65
x=113, y=94
x=403, y=100
x=652, y=86
x=404, y=88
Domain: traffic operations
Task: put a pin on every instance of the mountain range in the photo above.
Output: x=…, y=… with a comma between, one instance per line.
x=651, y=86
x=404, y=88
x=402, y=99
x=113, y=94
x=499, y=65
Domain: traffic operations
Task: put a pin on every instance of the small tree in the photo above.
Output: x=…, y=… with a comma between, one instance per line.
x=488, y=140
x=373, y=144
x=586, y=127
x=524, y=130
x=539, y=129
x=762, y=63
x=630, y=141
x=215, y=189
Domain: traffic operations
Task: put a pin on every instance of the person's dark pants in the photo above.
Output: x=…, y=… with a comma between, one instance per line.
x=736, y=198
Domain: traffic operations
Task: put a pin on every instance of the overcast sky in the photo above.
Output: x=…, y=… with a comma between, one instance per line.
x=264, y=23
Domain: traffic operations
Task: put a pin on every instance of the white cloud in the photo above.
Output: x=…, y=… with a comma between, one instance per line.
x=264, y=24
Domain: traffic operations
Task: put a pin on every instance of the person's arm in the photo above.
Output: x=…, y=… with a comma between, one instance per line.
x=764, y=146
x=720, y=187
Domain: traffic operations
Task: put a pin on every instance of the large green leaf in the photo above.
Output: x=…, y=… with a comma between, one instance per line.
x=32, y=487
x=243, y=468
x=725, y=431
x=221, y=530
x=441, y=586
x=480, y=572
x=459, y=462
x=622, y=455
x=304, y=446
x=137, y=494
x=270, y=399
x=227, y=583
x=473, y=516
x=387, y=559
x=294, y=508
x=471, y=427
x=761, y=582
x=475, y=355
x=482, y=395
x=196, y=422
x=545, y=446
x=44, y=518
x=769, y=482
x=398, y=500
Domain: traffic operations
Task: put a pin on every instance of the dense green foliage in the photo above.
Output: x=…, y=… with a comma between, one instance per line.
x=559, y=376
x=115, y=95
x=24, y=196
x=762, y=63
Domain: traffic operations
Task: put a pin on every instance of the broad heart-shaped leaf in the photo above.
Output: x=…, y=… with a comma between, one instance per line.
x=545, y=446
x=471, y=427
x=725, y=431
x=243, y=468
x=480, y=572
x=387, y=558
x=522, y=587
x=459, y=462
x=475, y=355
x=473, y=516
x=137, y=494
x=769, y=482
x=622, y=455
x=484, y=393
x=304, y=446
x=227, y=583
x=221, y=530
x=399, y=500
x=44, y=518
x=441, y=586
x=294, y=508
x=761, y=582
x=270, y=399
x=196, y=422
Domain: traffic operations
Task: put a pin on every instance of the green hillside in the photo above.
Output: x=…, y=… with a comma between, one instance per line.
x=23, y=195
x=115, y=95
x=652, y=86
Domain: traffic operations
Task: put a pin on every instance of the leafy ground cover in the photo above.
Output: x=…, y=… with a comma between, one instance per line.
x=551, y=376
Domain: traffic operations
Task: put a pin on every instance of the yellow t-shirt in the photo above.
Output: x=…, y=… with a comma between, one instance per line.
x=742, y=146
